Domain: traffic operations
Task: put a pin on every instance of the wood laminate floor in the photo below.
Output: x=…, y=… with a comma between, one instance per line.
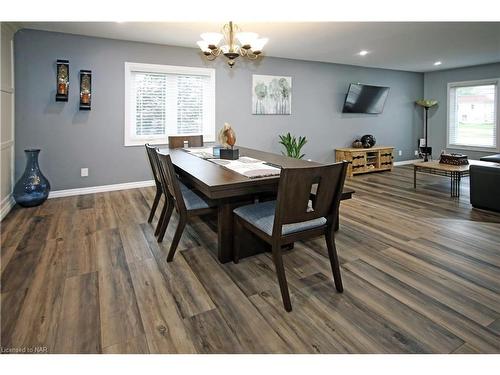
x=421, y=274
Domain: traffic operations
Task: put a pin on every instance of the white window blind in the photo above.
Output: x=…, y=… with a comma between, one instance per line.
x=150, y=94
x=190, y=103
x=473, y=115
x=167, y=100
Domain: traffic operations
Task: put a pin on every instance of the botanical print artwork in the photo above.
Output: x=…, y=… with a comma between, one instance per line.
x=271, y=95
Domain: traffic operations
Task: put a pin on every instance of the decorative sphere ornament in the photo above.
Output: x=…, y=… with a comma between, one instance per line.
x=368, y=141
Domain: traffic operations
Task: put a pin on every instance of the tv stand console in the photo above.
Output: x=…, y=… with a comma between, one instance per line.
x=365, y=160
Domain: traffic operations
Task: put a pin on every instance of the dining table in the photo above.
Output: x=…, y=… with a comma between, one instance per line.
x=229, y=189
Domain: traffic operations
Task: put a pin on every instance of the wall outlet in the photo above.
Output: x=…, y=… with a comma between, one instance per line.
x=416, y=152
x=84, y=172
x=400, y=153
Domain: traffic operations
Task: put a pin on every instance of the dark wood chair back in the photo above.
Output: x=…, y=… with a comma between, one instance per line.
x=153, y=161
x=294, y=193
x=177, y=141
x=171, y=181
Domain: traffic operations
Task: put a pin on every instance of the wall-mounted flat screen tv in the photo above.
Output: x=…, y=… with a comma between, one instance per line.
x=365, y=99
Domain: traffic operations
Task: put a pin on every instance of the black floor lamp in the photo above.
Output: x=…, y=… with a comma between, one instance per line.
x=426, y=103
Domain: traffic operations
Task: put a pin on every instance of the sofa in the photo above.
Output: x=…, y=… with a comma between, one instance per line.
x=485, y=184
x=492, y=158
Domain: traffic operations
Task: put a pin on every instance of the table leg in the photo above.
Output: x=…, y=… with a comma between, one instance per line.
x=414, y=176
x=455, y=184
x=225, y=232
x=459, y=179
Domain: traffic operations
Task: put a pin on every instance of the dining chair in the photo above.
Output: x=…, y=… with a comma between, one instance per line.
x=151, y=152
x=293, y=216
x=186, y=202
x=163, y=189
x=177, y=141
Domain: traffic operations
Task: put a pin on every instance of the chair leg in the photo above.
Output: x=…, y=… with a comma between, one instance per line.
x=334, y=260
x=166, y=220
x=280, y=271
x=236, y=239
x=177, y=237
x=162, y=216
x=155, y=205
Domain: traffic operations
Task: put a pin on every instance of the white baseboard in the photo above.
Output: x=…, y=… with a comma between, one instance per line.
x=406, y=162
x=6, y=205
x=100, y=189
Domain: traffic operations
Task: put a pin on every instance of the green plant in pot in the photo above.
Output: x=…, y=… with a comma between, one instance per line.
x=292, y=145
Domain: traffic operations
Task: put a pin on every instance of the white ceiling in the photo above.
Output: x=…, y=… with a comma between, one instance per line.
x=410, y=46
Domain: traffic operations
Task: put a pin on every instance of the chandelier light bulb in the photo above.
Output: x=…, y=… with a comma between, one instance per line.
x=247, y=38
x=259, y=44
x=212, y=39
x=203, y=45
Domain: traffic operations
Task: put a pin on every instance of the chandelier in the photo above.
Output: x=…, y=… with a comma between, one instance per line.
x=248, y=44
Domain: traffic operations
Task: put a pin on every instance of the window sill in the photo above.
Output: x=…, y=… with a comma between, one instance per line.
x=130, y=143
x=160, y=142
x=472, y=148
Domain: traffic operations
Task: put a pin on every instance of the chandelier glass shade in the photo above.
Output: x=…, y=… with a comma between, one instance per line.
x=235, y=43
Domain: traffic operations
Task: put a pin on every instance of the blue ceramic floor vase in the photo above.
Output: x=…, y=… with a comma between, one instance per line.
x=33, y=188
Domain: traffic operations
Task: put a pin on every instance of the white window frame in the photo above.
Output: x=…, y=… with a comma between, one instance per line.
x=208, y=127
x=451, y=85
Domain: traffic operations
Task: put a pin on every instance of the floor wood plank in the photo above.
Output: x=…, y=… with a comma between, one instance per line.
x=136, y=345
x=79, y=323
x=466, y=329
x=120, y=318
x=252, y=331
x=39, y=317
x=165, y=331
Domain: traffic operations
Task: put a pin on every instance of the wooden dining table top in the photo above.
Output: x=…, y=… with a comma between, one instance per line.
x=230, y=189
x=217, y=182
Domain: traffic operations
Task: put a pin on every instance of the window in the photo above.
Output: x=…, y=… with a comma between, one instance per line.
x=163, y=100
x=473, y=115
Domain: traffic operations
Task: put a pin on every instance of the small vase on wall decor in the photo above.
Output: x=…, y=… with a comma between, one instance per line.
x=33, y=188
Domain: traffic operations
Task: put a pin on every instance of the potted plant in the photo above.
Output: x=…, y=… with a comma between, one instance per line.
x=292, y=145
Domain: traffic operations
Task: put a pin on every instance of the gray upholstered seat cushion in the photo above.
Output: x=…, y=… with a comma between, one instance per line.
x=183, y=187
x=261, y=215
x=192, y=200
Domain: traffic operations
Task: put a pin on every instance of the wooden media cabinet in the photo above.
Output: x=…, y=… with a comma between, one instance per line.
x=365, y=160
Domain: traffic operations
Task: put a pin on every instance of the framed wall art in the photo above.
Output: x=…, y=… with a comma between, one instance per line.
x=271, y=95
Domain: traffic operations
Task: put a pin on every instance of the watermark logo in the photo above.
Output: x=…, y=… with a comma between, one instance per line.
x=23, y=350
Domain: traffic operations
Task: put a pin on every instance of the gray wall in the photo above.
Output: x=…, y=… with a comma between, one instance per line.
x=71, y=139
x=436, y=87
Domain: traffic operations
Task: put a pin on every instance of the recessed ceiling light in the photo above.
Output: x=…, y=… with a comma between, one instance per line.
x=363, y=53
x=437, y=63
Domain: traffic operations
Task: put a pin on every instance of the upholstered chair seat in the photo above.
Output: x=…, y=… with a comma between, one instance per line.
x=261, y=215
x=192, y=200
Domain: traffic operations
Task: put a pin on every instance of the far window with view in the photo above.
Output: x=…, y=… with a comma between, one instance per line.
x=164, y=100
x=473, y=115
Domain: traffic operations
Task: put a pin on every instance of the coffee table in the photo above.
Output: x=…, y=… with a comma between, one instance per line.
x=455, y=172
